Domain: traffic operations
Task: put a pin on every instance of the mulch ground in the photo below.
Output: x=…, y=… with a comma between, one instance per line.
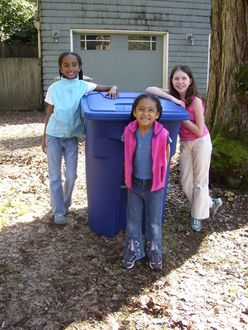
x=67, y=277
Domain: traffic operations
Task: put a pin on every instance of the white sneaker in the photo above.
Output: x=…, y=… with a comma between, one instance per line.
x=196, y=224
x=59, y=219
x=217, y=202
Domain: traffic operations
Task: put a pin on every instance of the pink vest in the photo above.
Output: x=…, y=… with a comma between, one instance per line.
x=159, y=157
x=186, y=134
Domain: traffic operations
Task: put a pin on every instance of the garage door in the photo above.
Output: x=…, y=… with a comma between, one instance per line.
x=132, y=62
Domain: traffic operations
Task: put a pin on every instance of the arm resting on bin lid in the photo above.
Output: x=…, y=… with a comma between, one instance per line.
x=164, y=94
x=112, y=90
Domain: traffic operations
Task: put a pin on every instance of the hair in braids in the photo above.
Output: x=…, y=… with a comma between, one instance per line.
x=60, y=60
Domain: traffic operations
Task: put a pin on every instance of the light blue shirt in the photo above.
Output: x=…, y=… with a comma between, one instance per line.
x=65, y=96
x=142, y=165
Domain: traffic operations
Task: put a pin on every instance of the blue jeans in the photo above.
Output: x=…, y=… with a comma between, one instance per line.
x=141, y=199
x=56, y=149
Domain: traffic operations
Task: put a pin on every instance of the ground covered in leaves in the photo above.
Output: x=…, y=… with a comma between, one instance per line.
x=54, y=277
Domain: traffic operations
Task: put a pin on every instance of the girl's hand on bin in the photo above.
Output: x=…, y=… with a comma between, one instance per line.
x=112, y=93
x=182, y=103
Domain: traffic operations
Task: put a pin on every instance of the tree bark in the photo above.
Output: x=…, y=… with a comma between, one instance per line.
x=227, y=110
x=227, y=99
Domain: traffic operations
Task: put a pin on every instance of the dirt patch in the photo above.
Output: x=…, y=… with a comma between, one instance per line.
x=69, y=278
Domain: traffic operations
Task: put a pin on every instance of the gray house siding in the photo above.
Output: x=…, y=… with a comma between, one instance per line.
x=177, y=18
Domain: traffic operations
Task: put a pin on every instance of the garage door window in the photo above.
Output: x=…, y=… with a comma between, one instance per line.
x=137, y=42
x=95, y=42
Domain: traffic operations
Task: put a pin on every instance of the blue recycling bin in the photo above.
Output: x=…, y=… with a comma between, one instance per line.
x=105, y=120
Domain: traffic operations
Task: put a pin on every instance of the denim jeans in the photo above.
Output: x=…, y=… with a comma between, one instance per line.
x=56, y=149
x=141, y=199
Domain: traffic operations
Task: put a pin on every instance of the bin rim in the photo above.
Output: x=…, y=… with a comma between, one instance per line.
x=96, y=106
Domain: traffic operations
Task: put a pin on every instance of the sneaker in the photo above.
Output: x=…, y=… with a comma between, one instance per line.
x=155, y=260
x=129, y=259
x=196, y=224
x=59, y=219
x=217, y=202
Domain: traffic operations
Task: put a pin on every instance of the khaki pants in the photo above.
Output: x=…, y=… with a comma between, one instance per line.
x=194, y=161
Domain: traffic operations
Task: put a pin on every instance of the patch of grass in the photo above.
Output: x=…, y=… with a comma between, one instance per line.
x=17, y=278
x=118, y=268
x=208, y=233
x=8, y=207
x=20, y=209
x=3, y=221
x=170, y=244
x=229, y=153
x=5, y=270
x=229, y=162
x=5, y=205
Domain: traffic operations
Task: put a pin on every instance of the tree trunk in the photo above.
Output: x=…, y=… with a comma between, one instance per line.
x=227, y=99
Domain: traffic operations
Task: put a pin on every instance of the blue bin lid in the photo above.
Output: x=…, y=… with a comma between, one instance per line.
x=97, y=106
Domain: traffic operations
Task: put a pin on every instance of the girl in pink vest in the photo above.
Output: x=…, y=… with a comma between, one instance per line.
x=195, y=144
x=146, y=157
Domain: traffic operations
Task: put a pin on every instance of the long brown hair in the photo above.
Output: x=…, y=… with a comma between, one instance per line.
x=192, y=89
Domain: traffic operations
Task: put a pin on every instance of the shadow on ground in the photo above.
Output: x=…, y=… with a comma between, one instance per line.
x=52, y=276
x=22, y=143
x=21, y=117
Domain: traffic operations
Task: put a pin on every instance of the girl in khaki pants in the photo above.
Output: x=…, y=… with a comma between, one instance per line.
x=195, y=144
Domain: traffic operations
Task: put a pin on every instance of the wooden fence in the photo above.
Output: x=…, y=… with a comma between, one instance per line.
x=15, y=50
x=20, y=84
